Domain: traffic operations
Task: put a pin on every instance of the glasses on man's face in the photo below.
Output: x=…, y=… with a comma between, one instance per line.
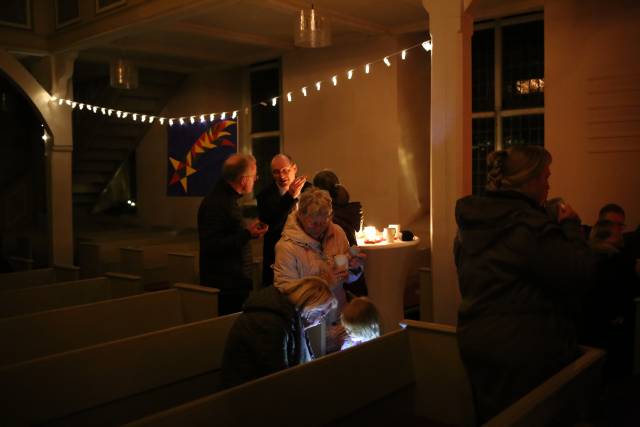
x=283, y=171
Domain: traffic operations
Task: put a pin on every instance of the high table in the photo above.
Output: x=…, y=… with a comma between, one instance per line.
x=386, y=269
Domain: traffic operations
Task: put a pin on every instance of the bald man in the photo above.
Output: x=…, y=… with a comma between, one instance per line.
x=274, y=204
x=224, y=239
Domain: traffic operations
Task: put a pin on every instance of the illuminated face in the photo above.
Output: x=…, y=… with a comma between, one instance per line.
x=249, y=178
x=315, y=225
x=283, y=172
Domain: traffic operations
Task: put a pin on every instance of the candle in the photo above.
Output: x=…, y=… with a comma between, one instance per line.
x=370, y=233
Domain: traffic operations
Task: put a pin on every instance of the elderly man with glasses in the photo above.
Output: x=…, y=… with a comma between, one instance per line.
x=225, y=253
x=275, y=203
x=309, y=245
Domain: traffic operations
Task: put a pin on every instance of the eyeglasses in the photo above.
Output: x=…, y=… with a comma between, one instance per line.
x=283, y=171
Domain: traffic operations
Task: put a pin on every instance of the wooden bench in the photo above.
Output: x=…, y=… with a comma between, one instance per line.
x=55, y=331
x=119, y=381
x=39, y=276
x=64, y=294
x=96, y=258
x=184, y=266
x=413, y=376
x=151, y=262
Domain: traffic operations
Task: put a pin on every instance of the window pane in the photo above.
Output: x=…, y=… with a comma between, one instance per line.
x=523, y=130
x=483, y=76
x=263, y=150
x=483, y=143
x=523, y=65
x=265, y=84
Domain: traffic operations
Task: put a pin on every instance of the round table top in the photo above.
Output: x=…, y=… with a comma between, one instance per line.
x=386, y=245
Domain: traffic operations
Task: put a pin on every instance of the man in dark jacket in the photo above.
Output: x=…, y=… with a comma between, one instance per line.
x=274, y=205
x=224, y=240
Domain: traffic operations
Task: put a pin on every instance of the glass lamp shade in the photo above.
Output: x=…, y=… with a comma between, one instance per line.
x=124, y=74
x=312, y=29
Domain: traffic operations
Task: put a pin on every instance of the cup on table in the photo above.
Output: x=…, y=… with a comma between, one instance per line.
x=389, y=234
x=397, y=228
x=341, y=261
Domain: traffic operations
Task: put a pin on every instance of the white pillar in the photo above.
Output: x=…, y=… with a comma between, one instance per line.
x=451, y=29
x=60, y=163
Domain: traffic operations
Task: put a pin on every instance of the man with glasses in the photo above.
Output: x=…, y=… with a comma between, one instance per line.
x=225, y=253
x=275, y=203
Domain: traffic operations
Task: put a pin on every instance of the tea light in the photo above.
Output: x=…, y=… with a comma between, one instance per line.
x=370, y=233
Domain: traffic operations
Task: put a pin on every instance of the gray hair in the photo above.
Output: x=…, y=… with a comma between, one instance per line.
x=309, y=293
x=236, y=165
x=314, y=202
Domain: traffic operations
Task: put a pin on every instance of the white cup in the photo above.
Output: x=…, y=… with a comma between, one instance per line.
x=389, y=234
x=397, y=228
x=341, y=261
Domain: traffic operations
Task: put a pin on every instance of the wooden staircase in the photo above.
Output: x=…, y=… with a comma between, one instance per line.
x=102, y=144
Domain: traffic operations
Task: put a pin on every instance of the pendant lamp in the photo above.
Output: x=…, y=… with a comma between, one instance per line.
x=312, y=29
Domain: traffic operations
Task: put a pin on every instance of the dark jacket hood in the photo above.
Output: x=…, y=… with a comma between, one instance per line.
x=269, y=299
x=482, y=220
x=349, y=214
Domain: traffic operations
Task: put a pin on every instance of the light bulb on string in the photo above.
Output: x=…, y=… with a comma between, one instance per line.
x=289, y=97
x=403, y=55
x=135, y=117
x=103, y=111
x=81, y=106
x=95, y=109
x=304, y=90
x=74, y=104
x=212, y=117
x=66, y=101
x=109, y=112
x=143, y=118
x=386, y=61
x=235, y=114
x=181, y=120
x=170, y=122
x=334, y=80
x=350, y=74
x=53, y=98
x=192, y=119
x=426, y=45
x=202, y=119
x=119, y=113
x=161, y=120
x=318, y=85
x=367, y=68
x=124, y=115
x=223, y=115
x=60, y=101
x=151, y=119
x=274, y=101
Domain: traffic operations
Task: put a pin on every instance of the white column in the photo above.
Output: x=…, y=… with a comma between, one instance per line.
x=60, y=162
x=451, y=29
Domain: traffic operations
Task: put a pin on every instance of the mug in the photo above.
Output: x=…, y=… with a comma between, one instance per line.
x=389, y=234
x=341, y=261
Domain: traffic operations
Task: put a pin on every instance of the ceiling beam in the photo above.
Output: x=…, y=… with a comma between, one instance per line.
x=128, y=20
x=412, y=27
x=196, y=54
x=294, y=6
x=228, y=35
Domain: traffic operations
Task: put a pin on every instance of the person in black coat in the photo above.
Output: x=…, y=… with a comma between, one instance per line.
x=274, y=205
x=224, y=240
x=520, y=272
x=270, y=334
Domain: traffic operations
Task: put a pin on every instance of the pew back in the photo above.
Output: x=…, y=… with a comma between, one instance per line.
x=55, y=331
x=64, y=294
x=150, y=262
x=111, y=383
x=39, y=276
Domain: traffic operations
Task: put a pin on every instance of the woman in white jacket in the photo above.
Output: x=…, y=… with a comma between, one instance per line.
x=309, y=243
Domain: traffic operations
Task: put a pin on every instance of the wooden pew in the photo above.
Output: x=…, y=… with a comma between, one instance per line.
x=413, y=376
x=151, y=262
x=96, y=258
x=55, y=331
x=40, y=276
x=64, y=294
x=184, y=266
x=119, y=381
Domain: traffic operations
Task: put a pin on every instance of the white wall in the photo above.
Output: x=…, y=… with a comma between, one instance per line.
x=372, y=130
x=204, y=92
x=592, y=124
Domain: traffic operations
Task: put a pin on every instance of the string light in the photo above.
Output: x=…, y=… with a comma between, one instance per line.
x=426, y=45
